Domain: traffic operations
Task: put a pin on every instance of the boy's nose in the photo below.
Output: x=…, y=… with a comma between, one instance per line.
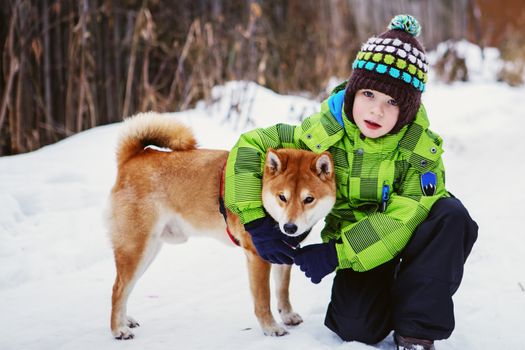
x=377, y=110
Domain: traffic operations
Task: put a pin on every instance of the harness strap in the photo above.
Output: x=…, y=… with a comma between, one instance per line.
x=222, y=207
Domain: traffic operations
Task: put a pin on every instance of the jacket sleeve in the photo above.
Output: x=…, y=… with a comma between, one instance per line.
x=378, y=237
x=245, y=165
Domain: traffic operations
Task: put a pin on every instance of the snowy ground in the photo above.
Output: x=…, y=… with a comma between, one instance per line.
x=56, y=267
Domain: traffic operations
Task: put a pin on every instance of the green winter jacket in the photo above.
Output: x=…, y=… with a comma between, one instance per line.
x=366, y=236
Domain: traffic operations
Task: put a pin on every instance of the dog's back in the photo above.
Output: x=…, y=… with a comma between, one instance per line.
x=165, y=185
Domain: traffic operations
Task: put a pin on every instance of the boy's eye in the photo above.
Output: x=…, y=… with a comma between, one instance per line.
x=392, y=102
x=282, y=197
x=368, y=93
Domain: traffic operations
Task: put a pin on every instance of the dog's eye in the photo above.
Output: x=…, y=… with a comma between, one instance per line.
x=282, y=197
x=308, y=200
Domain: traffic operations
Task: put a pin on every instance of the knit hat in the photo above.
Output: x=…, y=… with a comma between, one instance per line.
x=393, y=63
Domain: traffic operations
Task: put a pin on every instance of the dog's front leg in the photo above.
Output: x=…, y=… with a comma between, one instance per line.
x=259, y=274
x=282, y=282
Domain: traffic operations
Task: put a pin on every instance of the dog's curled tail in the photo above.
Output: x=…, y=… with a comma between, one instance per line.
x=147, y=129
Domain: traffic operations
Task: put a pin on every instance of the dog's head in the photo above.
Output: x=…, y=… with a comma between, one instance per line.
x=298, y=188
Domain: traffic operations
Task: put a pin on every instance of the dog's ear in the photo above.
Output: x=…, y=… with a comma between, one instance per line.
x=324, y=166
x=273, y=162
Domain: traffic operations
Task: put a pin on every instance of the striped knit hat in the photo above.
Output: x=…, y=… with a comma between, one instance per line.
x=395, y=64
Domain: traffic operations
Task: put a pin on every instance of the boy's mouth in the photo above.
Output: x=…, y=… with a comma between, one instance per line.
x=372, y=125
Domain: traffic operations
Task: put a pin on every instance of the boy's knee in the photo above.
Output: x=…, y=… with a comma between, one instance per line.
x=453, y=210
x=463, y=228
x=451, y=207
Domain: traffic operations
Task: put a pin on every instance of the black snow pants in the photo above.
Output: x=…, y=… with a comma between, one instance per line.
x=411, y=294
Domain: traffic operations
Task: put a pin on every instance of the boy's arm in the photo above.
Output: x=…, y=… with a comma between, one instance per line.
x=245, y=166
x=380, y=236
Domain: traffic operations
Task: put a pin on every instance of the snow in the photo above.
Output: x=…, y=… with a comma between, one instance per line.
x=56, y=265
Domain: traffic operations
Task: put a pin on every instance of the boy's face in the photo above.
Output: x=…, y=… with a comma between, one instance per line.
x=374, y=112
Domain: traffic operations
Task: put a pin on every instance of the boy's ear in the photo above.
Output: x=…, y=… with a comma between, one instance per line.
x=273, y=162
x=324, y=166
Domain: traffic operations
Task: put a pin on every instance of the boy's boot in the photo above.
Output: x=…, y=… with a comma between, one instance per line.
x=407, y=343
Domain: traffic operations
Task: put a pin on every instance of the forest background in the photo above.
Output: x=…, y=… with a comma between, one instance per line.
x=70, y=65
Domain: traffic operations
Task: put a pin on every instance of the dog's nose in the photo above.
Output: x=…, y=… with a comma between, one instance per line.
x=290, y=228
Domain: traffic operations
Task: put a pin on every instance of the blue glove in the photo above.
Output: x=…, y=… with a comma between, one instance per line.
x=317, y=260
x=271, y=244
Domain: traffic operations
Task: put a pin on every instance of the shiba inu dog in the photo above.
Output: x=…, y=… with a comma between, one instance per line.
x=168, y=190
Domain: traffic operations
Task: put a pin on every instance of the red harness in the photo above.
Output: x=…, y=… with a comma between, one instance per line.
x=222, y=207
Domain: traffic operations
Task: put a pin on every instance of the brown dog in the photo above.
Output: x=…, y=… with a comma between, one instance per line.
x=170, y=192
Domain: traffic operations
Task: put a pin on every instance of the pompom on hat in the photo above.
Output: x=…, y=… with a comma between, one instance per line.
x=395, y=64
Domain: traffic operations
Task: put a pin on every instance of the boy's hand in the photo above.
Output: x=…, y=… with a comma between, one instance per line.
x=317, y=260
x=270, y=243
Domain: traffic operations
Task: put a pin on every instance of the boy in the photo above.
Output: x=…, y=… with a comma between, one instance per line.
x=395, y=237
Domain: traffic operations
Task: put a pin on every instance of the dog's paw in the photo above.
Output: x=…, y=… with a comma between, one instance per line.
x=275, y=331
x=123, y=333
x=132, y=323
x=290, y=318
